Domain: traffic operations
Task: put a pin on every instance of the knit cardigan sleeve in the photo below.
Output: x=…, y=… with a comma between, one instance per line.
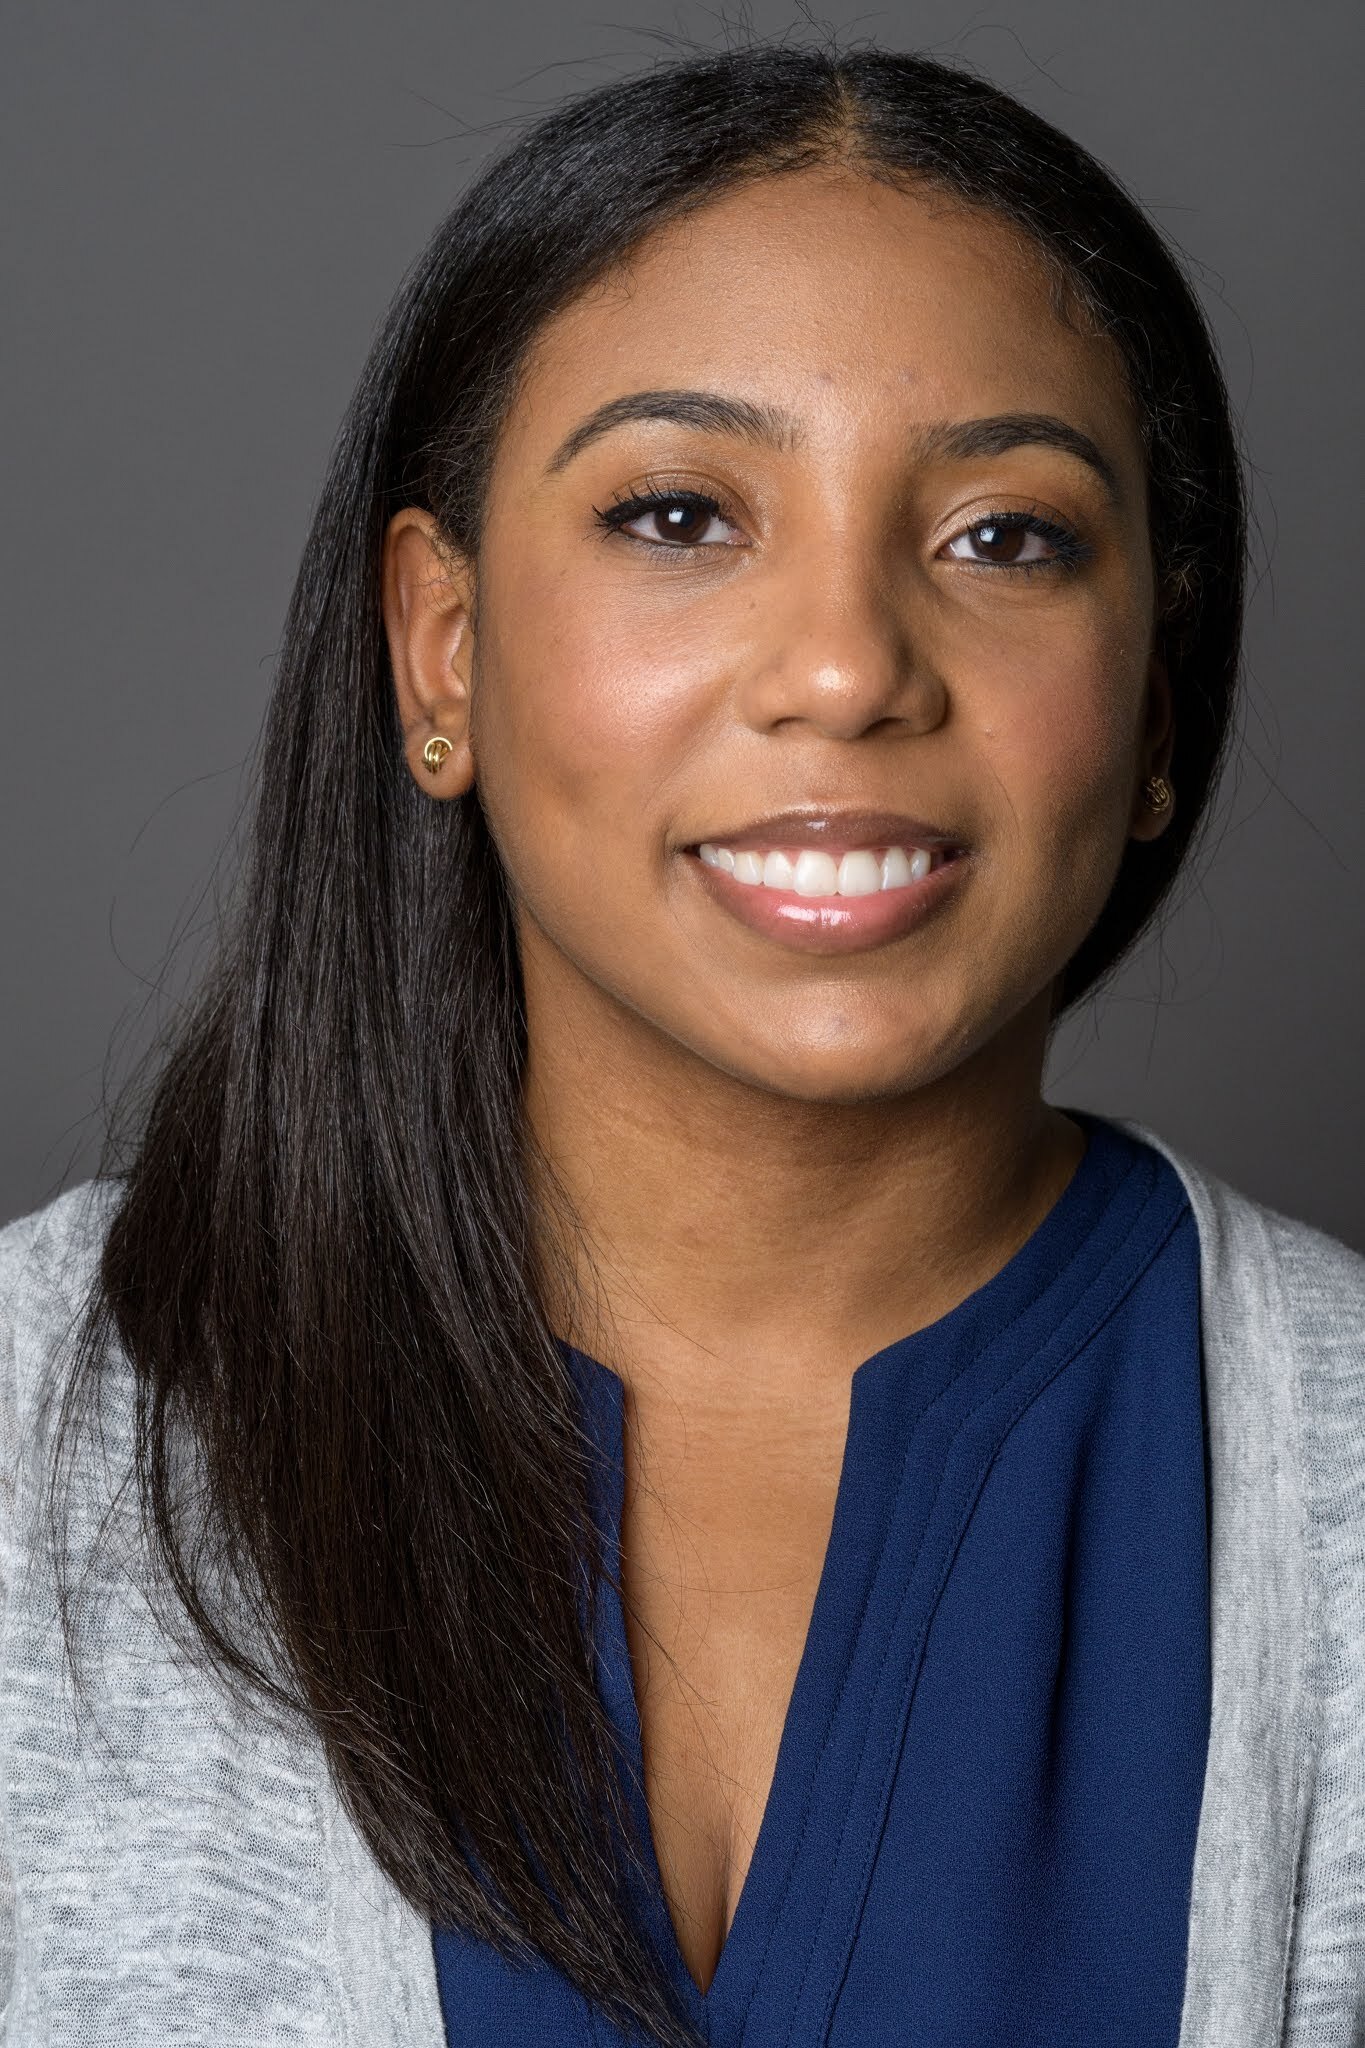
x=46, y=1262
x=15, y=1246
x=184, y=1868
x=1323, y=1284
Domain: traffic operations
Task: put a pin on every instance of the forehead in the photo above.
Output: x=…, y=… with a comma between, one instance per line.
x=833, y=295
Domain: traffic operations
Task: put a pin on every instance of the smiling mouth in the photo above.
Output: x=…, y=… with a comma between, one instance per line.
x=813, y=872
x=826, y=880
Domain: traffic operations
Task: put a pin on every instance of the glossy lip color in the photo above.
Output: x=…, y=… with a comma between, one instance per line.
x=832, y=924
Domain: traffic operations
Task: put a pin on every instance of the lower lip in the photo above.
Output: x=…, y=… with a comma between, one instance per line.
x=832, y=924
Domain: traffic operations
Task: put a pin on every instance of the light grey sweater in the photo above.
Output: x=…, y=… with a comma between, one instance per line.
x=178, y=1876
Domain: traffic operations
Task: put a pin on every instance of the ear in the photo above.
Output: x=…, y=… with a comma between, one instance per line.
x=427, y=598
x=1154, y=753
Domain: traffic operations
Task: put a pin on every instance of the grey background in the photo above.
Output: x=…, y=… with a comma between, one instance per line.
x=212, y=204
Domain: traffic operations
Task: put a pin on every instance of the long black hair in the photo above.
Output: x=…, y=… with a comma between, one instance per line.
x=318, y=1266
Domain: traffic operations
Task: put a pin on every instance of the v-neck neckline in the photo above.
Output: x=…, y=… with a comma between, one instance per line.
x=933, y=1404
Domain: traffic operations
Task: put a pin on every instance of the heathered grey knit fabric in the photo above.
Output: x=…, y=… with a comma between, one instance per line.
x=178, y=1878
x=1284, y=1377
x=182, y=1874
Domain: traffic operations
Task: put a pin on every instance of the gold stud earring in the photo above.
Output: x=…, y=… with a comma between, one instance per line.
x=435, y=751
x=1156, y=793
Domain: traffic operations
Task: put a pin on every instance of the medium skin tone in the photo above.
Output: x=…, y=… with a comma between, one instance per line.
x=784, y=1160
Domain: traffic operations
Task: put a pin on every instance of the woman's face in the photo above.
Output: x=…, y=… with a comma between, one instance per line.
x=750, y=550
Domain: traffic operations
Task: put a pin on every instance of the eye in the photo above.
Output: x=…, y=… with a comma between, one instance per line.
x=1010, y=540
x=674, y=519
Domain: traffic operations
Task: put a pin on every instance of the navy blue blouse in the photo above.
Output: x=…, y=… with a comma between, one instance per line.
x=981, y=1827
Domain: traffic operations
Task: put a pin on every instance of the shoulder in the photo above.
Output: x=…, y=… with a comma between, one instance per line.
x=49, y=1257
x=48, y=1260
x=1283, y=1313
x=1271, y=1271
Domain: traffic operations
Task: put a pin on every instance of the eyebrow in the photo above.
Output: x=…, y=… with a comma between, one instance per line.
x=944, y=440
x=960, y=440
x=711, y=411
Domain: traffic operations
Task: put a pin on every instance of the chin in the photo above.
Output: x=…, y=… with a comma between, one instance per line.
x=847, y=1072
x=849, y=1054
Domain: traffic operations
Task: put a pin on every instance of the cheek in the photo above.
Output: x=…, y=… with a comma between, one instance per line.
x=1057, y=743
x=1059, y=738
x=580, y=728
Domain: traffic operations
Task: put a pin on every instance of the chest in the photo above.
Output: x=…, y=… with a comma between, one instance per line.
x=725, y=1529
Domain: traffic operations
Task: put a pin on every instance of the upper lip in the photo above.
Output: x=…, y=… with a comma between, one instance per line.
x=826, y=828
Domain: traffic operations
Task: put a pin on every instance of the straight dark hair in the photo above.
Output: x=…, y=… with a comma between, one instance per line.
x=360, y=1472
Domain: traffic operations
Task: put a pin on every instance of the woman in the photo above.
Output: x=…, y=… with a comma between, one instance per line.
x=666, y=1494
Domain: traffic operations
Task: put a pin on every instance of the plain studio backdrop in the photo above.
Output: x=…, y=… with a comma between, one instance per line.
x=211, y=203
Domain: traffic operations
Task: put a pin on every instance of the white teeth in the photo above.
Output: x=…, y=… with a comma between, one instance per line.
x=860, y=872
x=816, y=874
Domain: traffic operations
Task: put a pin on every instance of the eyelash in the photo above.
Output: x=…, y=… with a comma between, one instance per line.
x=622, y=510
x=1070, y=549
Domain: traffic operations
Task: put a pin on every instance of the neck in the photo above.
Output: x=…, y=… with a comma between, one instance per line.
x=715, y=1228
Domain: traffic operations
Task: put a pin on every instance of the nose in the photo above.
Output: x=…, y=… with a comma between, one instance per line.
x=840, y=648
